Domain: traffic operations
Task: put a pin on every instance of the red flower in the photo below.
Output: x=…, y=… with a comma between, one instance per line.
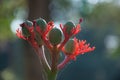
x=43, y=33
x=74, y=30
x=30, y=38
x=80, y=47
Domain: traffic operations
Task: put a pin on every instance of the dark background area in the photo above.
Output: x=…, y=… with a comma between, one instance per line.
x=100, y=27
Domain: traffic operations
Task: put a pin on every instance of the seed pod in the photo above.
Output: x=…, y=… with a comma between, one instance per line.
x=41, y=23
x=25, y=26
x=70, y=47
x=55, y=36
x=69, y=26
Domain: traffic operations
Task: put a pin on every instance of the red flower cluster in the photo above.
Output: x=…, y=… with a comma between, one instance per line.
x=80, y=47
x=39, y=33
x=30, y=31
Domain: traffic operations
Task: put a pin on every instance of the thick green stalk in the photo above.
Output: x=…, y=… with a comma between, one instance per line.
x=54, y=57
x=52, y=76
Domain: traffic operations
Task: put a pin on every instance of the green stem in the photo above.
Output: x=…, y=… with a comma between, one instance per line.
x=52, y=76
x=42, y=58
x=54, y=57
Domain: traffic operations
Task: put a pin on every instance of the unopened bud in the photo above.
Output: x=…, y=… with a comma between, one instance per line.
x=25, y=28
x=55, y=36
x=70, y=47
x=69, y=26
x=28, y=23
x=41, y=23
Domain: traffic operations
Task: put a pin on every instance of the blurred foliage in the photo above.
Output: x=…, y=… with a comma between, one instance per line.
x=116, y=54
x=5, y=32
x=7, y=14
x=105, y=20
x=65, y=3
x=105, y=15
x=8, y=74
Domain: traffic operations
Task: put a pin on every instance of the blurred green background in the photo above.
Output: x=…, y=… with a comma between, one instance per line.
x=100, y=27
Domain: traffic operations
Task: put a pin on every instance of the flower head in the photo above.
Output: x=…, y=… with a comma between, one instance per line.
x=76, y=47
x=42, y=27
x=27, y=33
x=69, y=29
x=72, y=49
x=27, y=30
x=40, y=33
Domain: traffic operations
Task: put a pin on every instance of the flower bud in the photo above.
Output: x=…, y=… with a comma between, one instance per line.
x=41, y=23
x=25, y=26
x=55, y=36
x=69, y=26
x=70, y=46
x=28, y=23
